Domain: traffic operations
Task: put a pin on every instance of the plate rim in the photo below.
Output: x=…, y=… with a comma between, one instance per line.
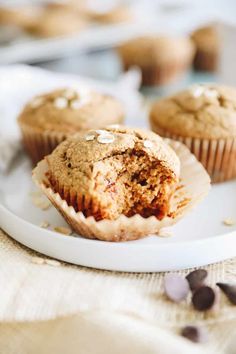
x=135, y=243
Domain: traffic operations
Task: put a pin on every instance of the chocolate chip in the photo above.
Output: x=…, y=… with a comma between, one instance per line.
x=229, y=290
x=195, y=334
x=204, y=298
x=176, y=287
x=196, y=278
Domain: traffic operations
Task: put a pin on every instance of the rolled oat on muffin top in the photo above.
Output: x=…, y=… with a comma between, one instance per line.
x=71, y=110
x=114, y=171
x=202, y=111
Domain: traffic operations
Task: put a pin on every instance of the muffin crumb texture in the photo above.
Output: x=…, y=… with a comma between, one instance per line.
x=106, y=173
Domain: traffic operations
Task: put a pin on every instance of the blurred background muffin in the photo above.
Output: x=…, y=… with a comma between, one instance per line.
x=207, y=42
x=160, y=59
x=56, y=22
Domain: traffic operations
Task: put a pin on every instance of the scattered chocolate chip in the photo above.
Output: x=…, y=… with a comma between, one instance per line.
x=204, y=298
x=229, y=290
x=196, y=278
x=176, y=287
x=195, y=334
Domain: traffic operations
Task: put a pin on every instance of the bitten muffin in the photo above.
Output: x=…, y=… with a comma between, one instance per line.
x=161, y=59
x=108, y=173
x=49, y=119
x=121, y=184
x=204, y=118
x=206, y=40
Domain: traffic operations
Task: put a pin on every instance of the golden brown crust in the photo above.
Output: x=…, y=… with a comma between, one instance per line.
x=69, y=110
x=203, y=111
x=115, y=171
x=149, y=50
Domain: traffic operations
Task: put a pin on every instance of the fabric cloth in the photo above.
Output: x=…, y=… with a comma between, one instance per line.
x=114, y=305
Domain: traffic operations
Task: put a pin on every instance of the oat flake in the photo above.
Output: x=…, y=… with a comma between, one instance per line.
x=106, y=138
x=52, y=262
x=89, y=137
x=148, y=144
x=197, y=91
x=69, y=94
x=165, y=233
x=100, y=132
x=44, y=224
x=37, y=260
x=63, y=230
x=60, y=102
x=41, y=203
x=229, y=222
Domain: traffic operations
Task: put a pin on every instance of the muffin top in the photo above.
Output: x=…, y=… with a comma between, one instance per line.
x=157, y=49
x=73, y=162
x=71, y=110
x=56, y=22
x=202, y=111
x=206, y=38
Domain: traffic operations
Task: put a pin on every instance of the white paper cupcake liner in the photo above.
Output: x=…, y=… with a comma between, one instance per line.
x=218, y=156
x=38, y=144
x=194, y=185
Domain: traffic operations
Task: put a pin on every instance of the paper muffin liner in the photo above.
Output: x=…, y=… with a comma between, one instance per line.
x=194, y=185
x=38, y=144
x=218, y=156
x=161, y=74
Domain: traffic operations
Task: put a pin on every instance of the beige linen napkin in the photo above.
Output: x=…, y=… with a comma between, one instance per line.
x=34, y=292
x=93, y=333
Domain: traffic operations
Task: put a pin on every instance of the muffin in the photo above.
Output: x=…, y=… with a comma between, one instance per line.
x=161, y=59
x=49, y=119
x=117, y=184
x=116, y=14
x=22, y=16
x=56, y=22
x=204, y=118
x=206, y=40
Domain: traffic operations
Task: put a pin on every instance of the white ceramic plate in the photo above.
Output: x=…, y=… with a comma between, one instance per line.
x=200, y=238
